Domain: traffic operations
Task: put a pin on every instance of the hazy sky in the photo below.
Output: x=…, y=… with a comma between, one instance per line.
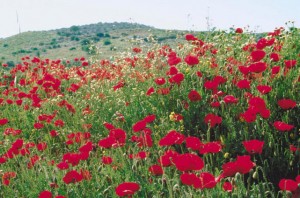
x=260, y=15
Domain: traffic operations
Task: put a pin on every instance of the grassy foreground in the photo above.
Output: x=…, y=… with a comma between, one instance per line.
x=217, y=116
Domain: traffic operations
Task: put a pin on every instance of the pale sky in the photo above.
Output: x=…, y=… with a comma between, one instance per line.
x=260, y=15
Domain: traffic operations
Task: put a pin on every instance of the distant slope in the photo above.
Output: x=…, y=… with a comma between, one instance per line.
x=76, y=41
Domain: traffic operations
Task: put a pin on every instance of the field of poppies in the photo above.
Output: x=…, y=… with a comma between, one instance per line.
x=217, y=116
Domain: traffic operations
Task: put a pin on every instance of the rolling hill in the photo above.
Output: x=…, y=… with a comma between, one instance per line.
x=103, y=40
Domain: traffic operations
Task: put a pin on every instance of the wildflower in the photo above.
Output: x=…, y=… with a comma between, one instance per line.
x=288, y=185
x=194, y=96
x=127, y=189
x=286, y=103
x=156, y=170
x=253, y=146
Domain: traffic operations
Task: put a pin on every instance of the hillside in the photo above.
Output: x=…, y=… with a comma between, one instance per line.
x=101, y=39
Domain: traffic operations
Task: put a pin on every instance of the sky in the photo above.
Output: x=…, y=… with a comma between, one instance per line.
x=194, y=15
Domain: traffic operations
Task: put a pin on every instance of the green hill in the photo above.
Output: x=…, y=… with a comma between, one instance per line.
x=102, y=39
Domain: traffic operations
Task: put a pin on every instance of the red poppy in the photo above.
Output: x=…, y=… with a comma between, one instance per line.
x=188, y=162
x=3, y=121
x=194, y=96
x=45, y=194
x=190, y=37
x=106, y=160
x=127, y=189
x=173, y=60
x=286, y=103
x=206, y=180
x=258, y=67
x=242, y=165
x=239, y=30
x=227, y=186
x=290, y=63
x=166, y=159
x=156, y=170
x=275, y=70
x=172, y=71
x=150, y=91
x=193, y=143
x=149, y=118
x=257, y=55
x=138, y=126
x=210, y=147
x=177, y=78
x=253, y=146
x=173, y=137
x=288, y=185
x=230, y=99
x=191, y=60
x=264, y=89
x=212, y=119
x=188, y=178
x=72, y=177
x=41, y=146
x=38, y=125
x=262, y=43
x=282, y=126
x=160, y=81
x=243, y=84
x=62, y=165
x=274, y=57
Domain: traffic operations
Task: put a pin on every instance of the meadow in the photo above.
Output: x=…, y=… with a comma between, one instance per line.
x=215, y=116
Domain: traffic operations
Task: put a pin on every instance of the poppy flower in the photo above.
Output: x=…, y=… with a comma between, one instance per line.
x=274, y=57
x=194, y=96
x=258, y=67
x=191, y=60
x=253, y=146
x=243, y=165
x=106, y=160
x=239, y=30
x=230, y=99
x=257, y=55
x=156, y=170
x=190, y=37
x=275, y=70
x=193, y=143
x=227, y=186
x=166, y=159
x=286, y=103
x=150, y=91
x=282, y=126
x=173, y=137
x=264, y=89
x=62, y=165
x=172, y=71
x=127, y=189
x=173, y=60
x=243, y=84
x=188, y=178
x=205, y=180
x=177, y=78
x=138, y=126
x=188, y=162
x=3, y=121
x=212, y=119
x=290, y=63
x=210, y=147
x=72, y=177
x=160, y=81
x=45, y=194
x=288, y=185
x=149, y=118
